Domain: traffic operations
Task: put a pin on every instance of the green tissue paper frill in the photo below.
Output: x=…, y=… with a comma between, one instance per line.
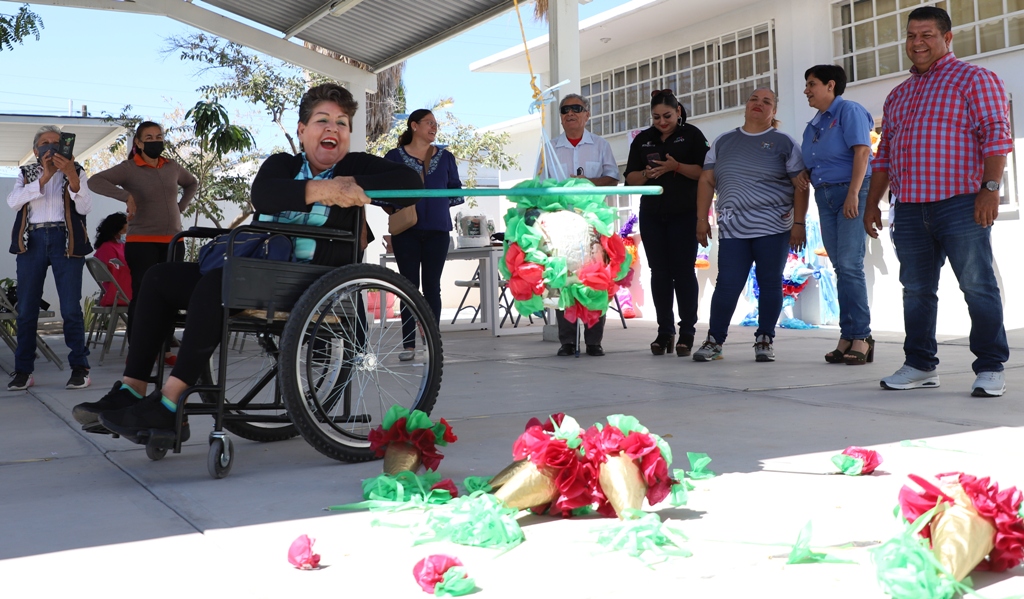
x=455, y=583
x=478, y=520
x=643, y=535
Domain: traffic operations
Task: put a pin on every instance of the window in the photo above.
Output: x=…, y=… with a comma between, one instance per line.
x=867, y=35
x=708, y=77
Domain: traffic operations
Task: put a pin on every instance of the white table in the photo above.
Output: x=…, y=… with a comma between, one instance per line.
x=488, y=257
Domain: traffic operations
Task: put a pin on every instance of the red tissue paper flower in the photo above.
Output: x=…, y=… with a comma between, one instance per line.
x=578, y=312
x=553, y=455
x=526, y=279
x=609, y=440
x=547, y=425
x=429, y=571
x=448, y=485
x=870, y=457
x=380, y=437
x=301, y=555
x=615, y=248
x=1000, y=508
x=596, y=276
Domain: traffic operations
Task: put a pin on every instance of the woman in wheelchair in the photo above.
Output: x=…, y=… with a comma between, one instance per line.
x=322, y=186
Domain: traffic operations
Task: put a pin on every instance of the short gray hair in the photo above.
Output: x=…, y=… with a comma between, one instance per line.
x=586, y=102
x=42, y=130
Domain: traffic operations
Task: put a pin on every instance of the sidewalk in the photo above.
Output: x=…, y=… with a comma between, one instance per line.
x=93, y=516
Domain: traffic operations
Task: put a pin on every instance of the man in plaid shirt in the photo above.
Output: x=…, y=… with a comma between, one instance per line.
x=945, y=137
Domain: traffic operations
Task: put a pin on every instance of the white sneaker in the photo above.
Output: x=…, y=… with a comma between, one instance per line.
x=989, y=384
x=908, y=377
x=407, y=355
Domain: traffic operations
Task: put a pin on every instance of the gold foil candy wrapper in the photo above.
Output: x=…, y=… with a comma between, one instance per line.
x=527, y=487
x=622, y=483
x=399, y=457
x=506, y=474
x=961, y=537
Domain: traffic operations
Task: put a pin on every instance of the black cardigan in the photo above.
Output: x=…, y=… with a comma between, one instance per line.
x=275, y=189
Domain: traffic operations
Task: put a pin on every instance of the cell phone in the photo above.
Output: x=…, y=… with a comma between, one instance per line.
x=67, y=145
x=652, y=157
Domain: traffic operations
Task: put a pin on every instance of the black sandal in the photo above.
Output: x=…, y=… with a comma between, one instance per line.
x=660, y=345
x=684, y=345
x=856, y=358
x=838, y=356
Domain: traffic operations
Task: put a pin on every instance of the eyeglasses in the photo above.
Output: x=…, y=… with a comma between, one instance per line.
x=572, y=108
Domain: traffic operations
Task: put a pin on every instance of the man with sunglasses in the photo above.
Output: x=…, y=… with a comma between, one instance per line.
x=586, y=156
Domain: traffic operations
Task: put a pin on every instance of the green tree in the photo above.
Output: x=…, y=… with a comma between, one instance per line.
x=15, y=28
x=465, y=142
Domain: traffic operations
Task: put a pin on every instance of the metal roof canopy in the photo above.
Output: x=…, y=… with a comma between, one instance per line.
x=17, y=130
x=378, y=33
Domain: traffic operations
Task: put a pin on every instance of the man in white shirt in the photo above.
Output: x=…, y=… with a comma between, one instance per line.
x=587, y=156
x=52, y=199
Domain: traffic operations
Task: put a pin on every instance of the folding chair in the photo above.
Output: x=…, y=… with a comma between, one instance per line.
x=473, y=283
x=10, y=337
x=105, y=318
x=618, y=308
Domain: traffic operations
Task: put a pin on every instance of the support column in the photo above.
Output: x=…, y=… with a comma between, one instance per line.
x=564, y=62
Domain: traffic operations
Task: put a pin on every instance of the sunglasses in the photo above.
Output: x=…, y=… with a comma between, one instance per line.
x=572, y=108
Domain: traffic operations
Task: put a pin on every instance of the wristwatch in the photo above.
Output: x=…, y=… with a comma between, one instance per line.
x=990, y=185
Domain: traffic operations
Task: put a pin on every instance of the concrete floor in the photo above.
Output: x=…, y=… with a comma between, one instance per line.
x=91, y=515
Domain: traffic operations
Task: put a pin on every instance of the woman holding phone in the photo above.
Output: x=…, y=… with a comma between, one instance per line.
x=671, y=154
x=148, y=183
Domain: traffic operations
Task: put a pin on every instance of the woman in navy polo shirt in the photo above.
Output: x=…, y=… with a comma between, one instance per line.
x=837, y=152
x=424, y=247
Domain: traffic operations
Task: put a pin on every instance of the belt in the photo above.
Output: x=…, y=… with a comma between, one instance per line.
x=34, y=226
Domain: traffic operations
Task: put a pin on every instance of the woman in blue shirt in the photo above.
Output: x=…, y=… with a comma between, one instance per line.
x=424, y=247
x=837, y=152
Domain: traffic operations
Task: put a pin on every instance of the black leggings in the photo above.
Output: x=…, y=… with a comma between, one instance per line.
x=167, y=288
x=141, y=256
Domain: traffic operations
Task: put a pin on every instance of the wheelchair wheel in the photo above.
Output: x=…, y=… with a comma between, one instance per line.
x=251, y=374
x=340, y=367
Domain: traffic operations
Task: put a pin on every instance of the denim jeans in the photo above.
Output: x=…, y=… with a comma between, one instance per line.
x=768, y=254
x=844, y=240
x=670, y=245
x=416, y=250
x=46, y=248
x=924, y=236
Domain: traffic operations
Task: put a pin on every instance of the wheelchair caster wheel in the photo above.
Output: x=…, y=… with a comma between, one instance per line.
x=155, y=452
x=219, y=459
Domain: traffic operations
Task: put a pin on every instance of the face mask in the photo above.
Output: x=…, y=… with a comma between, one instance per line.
x=153, y=149
x=123, y=239
x=46, y=149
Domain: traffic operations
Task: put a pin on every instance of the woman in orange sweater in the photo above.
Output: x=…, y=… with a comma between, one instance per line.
x=148, y=183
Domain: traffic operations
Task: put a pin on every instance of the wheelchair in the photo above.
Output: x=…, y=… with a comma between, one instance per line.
x=323, y=366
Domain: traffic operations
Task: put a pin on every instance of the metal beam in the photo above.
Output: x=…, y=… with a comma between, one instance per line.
x=443, y=36
x=334, y=8
x=354, y=78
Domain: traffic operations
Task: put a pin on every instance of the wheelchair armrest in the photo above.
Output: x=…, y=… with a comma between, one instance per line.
x=297, y=230
x=192, y=232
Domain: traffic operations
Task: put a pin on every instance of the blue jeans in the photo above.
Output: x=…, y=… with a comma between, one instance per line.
x=768, y=254
x=46, y=249
x=670, y=244
x=844, y=240
x=924, y=236
x=416, y=250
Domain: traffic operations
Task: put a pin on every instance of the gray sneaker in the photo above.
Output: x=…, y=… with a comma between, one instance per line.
x=763, y=351
x=908, y=377
x=989, y=384
x=709, y=350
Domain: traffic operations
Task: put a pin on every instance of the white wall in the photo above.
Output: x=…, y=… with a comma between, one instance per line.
x=803, y=38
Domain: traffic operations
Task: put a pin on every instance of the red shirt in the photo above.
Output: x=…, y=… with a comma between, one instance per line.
x=937, y=129
x=105, y=253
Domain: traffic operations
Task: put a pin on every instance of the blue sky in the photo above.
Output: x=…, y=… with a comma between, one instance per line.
x=107, y=60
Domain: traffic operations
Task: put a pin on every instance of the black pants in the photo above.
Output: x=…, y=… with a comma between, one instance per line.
x=567, y=331
x=167, y=288
x=670, y=244
x=417, y=250
x=141, y=256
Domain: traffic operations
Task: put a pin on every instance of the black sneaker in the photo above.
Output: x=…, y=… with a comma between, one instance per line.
x=79, y=378
x=21, y=381
x=142, y=416
x=567, y=349
x=595, y=350
x=118, y=398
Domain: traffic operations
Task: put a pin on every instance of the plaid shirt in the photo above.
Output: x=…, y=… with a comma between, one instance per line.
x=304, y=248
x=938, y=127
